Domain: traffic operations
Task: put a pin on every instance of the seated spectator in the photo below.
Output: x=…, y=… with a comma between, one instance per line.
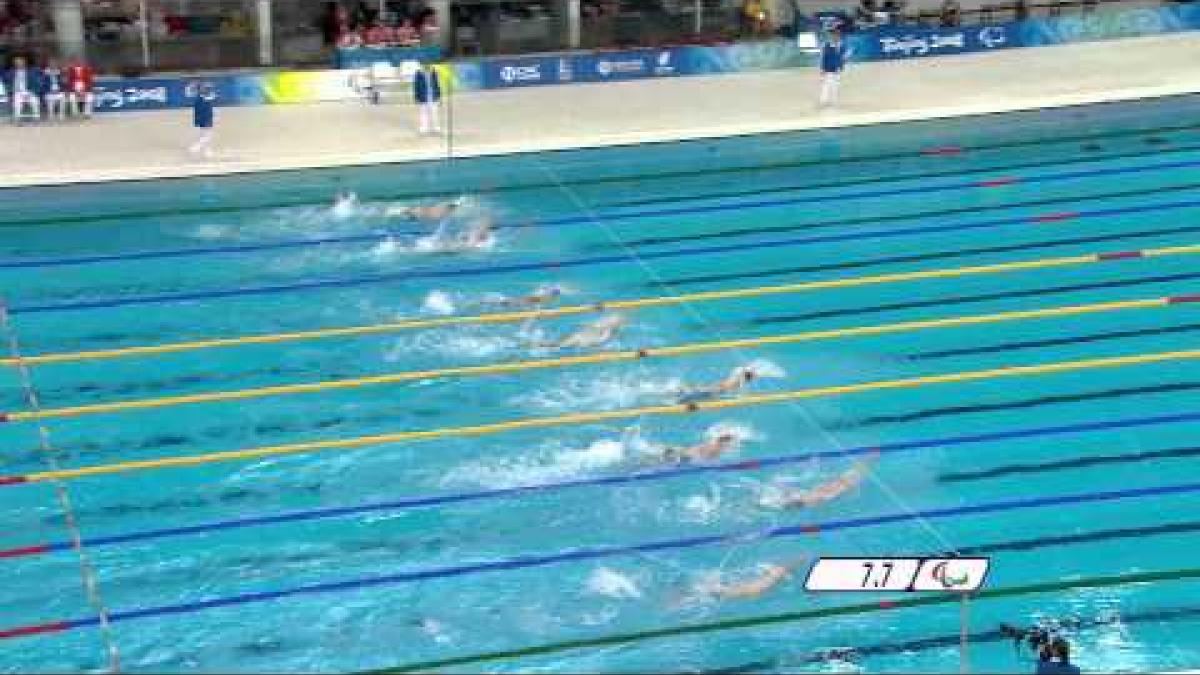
x=951, y=14
x=427, y=24
x=24, y=85
x=54, y=91
x=81, y=80
x=1022, y=10
x=754, y=15
x=407, y=35
x=350, y=40
x=893, y=9
x=867, y=13
x=377, y=35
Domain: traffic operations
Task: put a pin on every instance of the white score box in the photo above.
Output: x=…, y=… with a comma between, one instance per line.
x=897, y=574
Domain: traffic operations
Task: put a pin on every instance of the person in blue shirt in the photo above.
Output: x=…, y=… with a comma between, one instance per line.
x=54, y=91
x=24, y=86
x=1056, y=659
x=833, y=62
x=427, y=92
x=203, y=118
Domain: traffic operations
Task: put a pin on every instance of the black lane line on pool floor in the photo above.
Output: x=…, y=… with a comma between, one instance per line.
x=1089, y=199
x=916, y=153
x=978, y=297
x=1080, y=462
x=1085, y=338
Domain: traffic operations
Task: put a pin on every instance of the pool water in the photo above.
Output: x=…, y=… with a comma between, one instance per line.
x=1103, y=453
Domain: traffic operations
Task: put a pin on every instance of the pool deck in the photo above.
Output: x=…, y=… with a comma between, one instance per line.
x=151, y=144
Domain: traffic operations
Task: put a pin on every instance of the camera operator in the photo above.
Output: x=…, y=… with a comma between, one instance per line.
x=1054, y=652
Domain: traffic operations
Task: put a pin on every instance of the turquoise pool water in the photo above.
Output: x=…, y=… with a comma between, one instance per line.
x=1084, y=472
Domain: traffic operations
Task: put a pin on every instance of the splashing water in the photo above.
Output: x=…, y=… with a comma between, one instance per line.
x=542, y=467
x=440, y=303
x=610, y=583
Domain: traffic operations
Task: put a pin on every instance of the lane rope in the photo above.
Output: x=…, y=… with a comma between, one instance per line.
x=582, y=554
x=452, y=272
x=379, y=237
x=592, y=417
x=612, y=305
x=606, y=481
x=87, y=572
x=584, y=359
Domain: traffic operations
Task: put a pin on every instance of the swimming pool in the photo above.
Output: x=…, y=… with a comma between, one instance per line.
x=1012, y=294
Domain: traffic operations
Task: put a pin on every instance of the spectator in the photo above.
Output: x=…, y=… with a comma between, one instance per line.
x=427, y=92
x=81, y=80
x=754, y=17
x=54, y=91
x=23, y=84
x=1022, y=10
x=203, y=118
x=407, y=34
x=867, y=13
x=894, y=9
x=335, y=22
x=951, y=14
x=377, y=35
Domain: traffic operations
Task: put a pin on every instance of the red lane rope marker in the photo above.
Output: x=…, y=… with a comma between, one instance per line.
x=25, y=551
x=1055, y=217
x=39, y=629
x=943, y=150
x=997, y=182
x=13, y=480
x=1180, y=299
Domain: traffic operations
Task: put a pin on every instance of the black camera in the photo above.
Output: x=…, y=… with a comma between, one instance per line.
x=1037, y=638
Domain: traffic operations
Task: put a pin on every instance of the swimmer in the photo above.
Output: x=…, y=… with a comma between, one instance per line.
x=478, y=236
x=705, y=451
x=769, y=576
x=345, y=203
x=827, y=491
x=542, y=295
x=594, y=334
x=431, y=213
x=737, y=379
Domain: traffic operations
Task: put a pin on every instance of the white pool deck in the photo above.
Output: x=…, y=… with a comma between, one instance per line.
x=152, y=144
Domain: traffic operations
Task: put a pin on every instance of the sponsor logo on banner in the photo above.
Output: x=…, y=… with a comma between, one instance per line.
x=566, y=71
x=993, y=36
x=621, y=67
x=519, y=74
x=922, y=45
x=664, y=64
x=118, y=96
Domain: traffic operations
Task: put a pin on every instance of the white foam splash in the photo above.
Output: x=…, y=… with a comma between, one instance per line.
x=544, y=467
x=610, y=583
x=440, y=303
x=742, y=432
x=764, y=368
x=602, y=393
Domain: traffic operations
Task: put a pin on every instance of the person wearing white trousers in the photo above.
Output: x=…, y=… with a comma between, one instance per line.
x=24, y=83
x=427, y=92
x=833, y=62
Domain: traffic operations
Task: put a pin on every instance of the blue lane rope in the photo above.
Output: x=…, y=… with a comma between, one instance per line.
x=571, y=220
x=625, y=479
x=452, y=272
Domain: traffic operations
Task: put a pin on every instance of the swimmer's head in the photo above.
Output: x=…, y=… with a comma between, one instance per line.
x=748, y=374
x=551, y=290
x=727, y=438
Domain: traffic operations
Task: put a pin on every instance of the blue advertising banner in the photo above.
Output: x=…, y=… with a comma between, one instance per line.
x=743, y=57
x=889, y=43
x=1109, y=25
x=161, y=93
x=527, y=71
x=625, y=65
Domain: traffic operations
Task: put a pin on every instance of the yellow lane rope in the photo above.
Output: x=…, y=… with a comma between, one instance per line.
x=592, y=417
x=638, y=303
x=565, y=361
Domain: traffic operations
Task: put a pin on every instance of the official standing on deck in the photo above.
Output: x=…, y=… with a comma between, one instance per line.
x=428, y=94
x=833, y=62
x=203, y=99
